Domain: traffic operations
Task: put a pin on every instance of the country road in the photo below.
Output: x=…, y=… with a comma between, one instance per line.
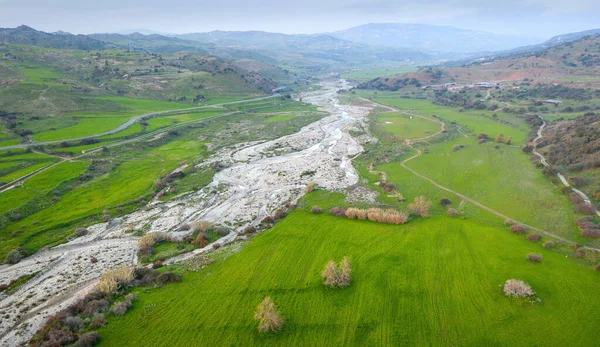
x=131, y=121
x=562, y=178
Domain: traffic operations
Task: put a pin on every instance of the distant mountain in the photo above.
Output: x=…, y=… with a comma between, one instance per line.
x=29, y=36
x=152, y=42
x=431, y=38
x=574, y=64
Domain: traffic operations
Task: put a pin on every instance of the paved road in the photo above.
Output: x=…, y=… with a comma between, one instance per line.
x=133, y=120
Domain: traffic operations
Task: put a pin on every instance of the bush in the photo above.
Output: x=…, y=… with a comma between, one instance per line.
x=517, y=288
x=579, y=253
x=310, y=187
x=88, y=339
x=201, y=226
x=337, y=275
x=167, y=277
x=316, y=209
x=518, y=229
x=14, y=256
x=452, y=212
x=74, y=323
x=445, y=201
x=200, y=240
x=249, y=229
x=352, y=213
x=598, y=267
x=534, y=257
x=420, y=206
x=81, y=232
x=110, y=281
x=148, y=240
x=216, y=246
x=268, y=318
x=584, y=208
x=534, y=237
x=548, y=244
x=279, y=214
x=120, y=308
x=97, y=321
x=339, y=212
x=157, y=264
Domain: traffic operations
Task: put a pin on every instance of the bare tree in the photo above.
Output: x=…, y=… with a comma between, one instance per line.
x=268, y=318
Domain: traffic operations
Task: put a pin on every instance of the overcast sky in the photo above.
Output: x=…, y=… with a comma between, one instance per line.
x=532, y=18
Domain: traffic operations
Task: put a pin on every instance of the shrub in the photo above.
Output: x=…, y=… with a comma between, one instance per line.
x=88, y=339
x=267, y=220
x=120, y=308
x=157, y=264
x=81, y=232
x=517, y=288
x=352, y=213
x=548, y=244
x=534, y=257
x=201, y=240
x=452, y=212
x=110, y=281
x=316, y=209
x=279, y=214
x=575, y=198
x=445, y=201
x=336, y=211
x=167, y=277
x=585, y=208
x=420, y=206
x=216, y=246
x=508, y=222
x=598, y=267
x=518, y=229
x=268, y=318
x=148, y=240
x=579, y=253
x=74, y=323
x=534, y=237
x=361, y=214
x=310, y=187
x=201, y=226
x=249, y=229
x=97, y=321
x=388, y=187
x=14, y=256
x=338, y=275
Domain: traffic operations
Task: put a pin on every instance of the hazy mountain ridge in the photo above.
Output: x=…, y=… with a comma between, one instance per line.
x=431, y=37
x=29, y=36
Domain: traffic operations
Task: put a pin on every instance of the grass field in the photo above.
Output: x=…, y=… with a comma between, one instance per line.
x=405, y=126
x=434, y=282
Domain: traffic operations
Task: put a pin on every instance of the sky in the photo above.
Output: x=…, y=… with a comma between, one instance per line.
x=527, y=18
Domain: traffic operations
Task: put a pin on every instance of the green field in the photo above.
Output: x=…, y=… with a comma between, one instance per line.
x=367, y=74
x=434, y=282
x=405, y=126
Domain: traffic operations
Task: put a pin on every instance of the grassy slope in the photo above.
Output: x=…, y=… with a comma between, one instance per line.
x=430, y=282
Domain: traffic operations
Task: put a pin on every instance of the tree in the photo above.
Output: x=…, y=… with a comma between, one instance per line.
x=445, y=201
x=338, y=275
x=268, y=318
x=420, y=206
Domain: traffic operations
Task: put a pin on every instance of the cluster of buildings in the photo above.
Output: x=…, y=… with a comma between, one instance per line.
x=453, y=87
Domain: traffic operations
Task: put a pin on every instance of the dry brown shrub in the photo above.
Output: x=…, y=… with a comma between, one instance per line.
x=548, y=244
x=420, y=206
x=268, y=318
x=201, y=240
x=148, y=240
x=598, y=267
x=534, y=237
x=361, y=214
x=452, y=212
x=310, y=187
x=316, y=210
x=338, y=275
x=518, y=229
x=374, y=214
x=534, y=257
x=517, y=288
x=110, y=281
x=201, y=226
x=390, y=216
x=352, y=213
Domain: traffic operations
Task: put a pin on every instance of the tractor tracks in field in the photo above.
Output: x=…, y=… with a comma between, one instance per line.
x=410, y=143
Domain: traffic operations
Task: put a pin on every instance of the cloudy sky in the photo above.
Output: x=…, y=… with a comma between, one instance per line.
x=532, y=18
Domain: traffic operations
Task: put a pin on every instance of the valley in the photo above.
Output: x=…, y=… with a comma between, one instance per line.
x=255, y=188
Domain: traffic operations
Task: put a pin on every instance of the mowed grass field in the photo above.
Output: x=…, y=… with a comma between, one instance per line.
x=405, y=126
x=434, y=282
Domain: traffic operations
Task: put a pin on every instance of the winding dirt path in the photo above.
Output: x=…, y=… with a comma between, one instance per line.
x=460, y=195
